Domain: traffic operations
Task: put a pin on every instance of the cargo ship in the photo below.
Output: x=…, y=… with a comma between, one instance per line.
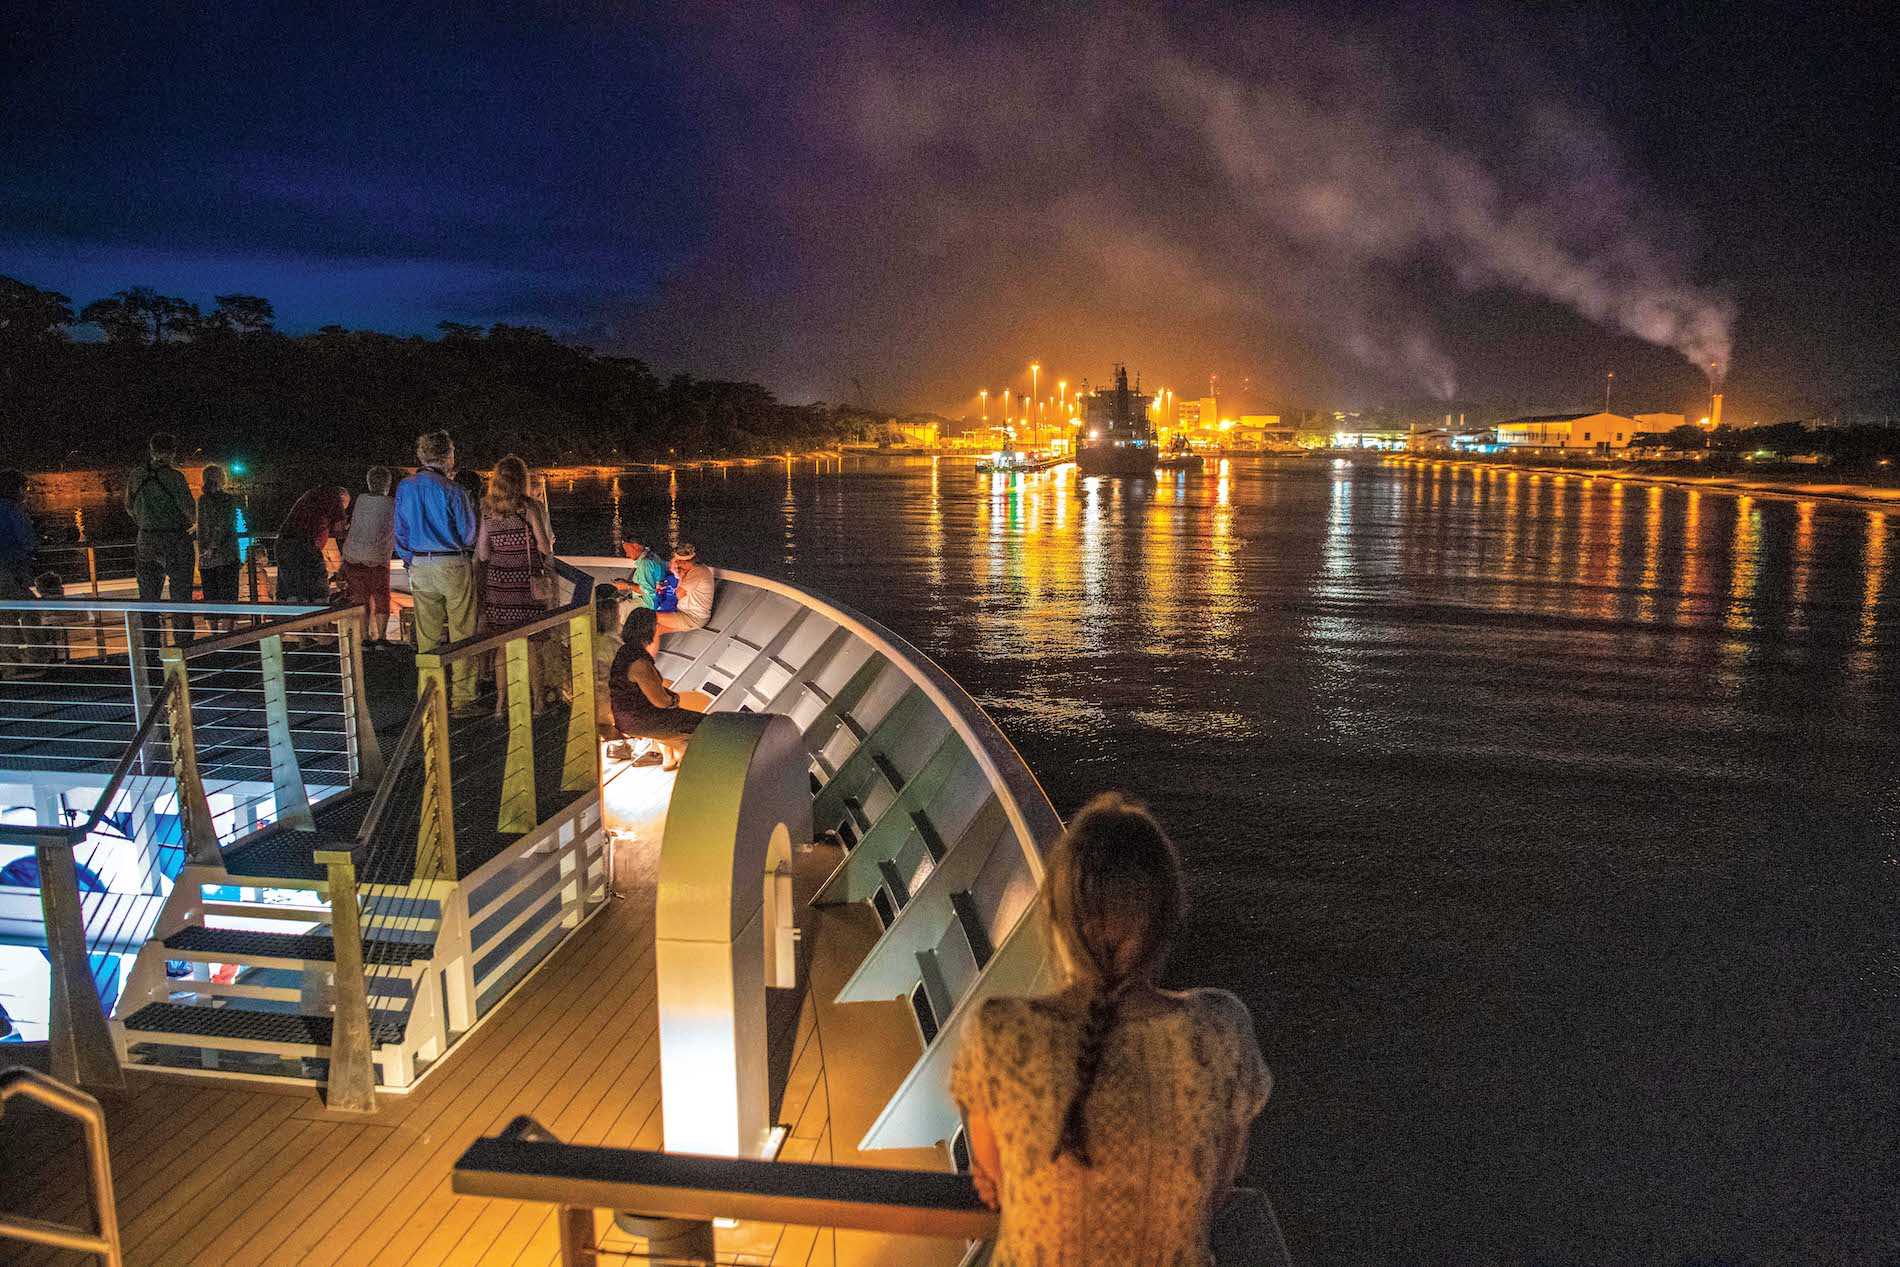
x=1119, y=436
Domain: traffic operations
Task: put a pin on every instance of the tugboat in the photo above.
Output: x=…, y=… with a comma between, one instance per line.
x=1178, y=457
x=1119, y=439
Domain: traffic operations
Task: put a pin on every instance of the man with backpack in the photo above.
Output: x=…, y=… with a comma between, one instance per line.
x=160, y=503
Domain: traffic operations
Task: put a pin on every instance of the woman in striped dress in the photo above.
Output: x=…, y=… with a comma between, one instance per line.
x=514, y=546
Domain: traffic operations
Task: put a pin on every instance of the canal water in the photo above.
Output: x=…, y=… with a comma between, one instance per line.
x=1547, y=825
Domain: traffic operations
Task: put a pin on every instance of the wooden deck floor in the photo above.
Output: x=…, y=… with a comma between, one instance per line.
x=206, y=1173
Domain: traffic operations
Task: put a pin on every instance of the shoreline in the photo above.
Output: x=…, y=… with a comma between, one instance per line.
x=1858, y=496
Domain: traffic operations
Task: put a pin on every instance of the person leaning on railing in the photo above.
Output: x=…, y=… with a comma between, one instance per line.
x=218, y=561
x=1108, y=1121
x=435, y=537
x=366, y=551
x=160, y=503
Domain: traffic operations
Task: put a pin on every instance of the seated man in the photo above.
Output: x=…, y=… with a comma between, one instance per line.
x=643, y=586
x=644, y=706
x=695, y=601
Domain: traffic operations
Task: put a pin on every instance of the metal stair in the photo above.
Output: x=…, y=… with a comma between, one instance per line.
x=273, y=1018
x=233, y=1026
x=282, y=950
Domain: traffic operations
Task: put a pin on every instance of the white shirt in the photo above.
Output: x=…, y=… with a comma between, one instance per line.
x=695, y=595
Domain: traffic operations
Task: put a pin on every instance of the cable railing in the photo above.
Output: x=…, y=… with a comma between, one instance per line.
x=459, y=787
x=98, y=569
x=147, y=755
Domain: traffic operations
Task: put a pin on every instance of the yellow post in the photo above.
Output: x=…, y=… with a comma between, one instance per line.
x=580, y=771
x=194, y=810
x=517, y=815
x=352, y=1086
x=435, y=839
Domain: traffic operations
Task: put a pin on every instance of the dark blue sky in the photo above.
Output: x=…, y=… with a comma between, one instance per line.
x=1403, y=199
x=384, y=165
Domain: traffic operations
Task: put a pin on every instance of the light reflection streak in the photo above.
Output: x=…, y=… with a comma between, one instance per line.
x=1611, y=573
x=933, y=523
x=1873, y=580
x=788, y=514
x=1651, y=583
x=1802, y=563
x=1695, y=559
x=1744, y=569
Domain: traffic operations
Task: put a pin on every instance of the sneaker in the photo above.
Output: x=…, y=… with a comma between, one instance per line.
x=647, y=759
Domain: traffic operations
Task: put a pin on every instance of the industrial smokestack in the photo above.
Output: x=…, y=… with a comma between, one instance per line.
x=1715, y=410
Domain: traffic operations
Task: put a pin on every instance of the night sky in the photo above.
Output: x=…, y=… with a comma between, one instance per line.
x=1342, y=205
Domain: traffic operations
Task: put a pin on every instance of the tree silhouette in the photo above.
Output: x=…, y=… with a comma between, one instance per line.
x=228, y=383
x=244, y=314
x=29, y=313
x=140, y=314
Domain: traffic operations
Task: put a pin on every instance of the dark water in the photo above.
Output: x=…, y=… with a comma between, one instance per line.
x=1546, y=825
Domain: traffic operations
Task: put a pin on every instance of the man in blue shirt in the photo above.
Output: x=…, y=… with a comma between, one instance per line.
x=435, y=533
x=643, y=587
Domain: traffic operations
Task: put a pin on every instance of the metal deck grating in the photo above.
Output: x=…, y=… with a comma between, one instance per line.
x=257, y=1027
x=240, y=942
x=285, y=855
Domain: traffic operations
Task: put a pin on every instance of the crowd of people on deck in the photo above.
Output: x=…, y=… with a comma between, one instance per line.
x=477, y=555
x=1107, y=1121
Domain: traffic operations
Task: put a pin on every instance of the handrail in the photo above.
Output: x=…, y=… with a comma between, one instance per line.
x=583, y=582
x=73, y=835
x=73, y=1103
x=411, y=735
x=520, y=1167
x=160, y=608
x=313, y=618
x=1031, y=814
x=127, y=758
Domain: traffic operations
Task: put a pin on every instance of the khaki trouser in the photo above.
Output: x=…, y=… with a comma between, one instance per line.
x=444, y=591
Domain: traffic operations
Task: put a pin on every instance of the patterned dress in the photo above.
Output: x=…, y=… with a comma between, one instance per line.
x=1176, y=1091
x=514, y=560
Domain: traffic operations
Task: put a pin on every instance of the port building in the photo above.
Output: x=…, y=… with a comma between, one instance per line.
x=1597, y=432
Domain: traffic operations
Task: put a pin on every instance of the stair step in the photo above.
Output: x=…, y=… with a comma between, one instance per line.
x=235, y=945
x=251, y=1026
x=287, y=855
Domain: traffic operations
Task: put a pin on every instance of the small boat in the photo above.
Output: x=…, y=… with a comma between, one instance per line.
x=1016, y=461
x=1178, y=457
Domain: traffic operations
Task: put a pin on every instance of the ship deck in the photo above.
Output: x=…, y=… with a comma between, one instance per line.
x=208, y=1172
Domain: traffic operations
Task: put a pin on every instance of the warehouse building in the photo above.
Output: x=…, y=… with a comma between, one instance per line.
x=1593, y=432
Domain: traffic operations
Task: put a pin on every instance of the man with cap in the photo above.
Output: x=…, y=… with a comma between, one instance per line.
x=696, y=585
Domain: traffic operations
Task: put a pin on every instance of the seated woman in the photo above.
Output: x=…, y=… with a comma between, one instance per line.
x=644, y=706
x=1108, y=1121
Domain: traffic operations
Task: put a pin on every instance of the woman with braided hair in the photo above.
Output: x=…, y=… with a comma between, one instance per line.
x=1107, y=1121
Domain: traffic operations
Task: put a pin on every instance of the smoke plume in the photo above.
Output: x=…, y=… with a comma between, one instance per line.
x=919, y=198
